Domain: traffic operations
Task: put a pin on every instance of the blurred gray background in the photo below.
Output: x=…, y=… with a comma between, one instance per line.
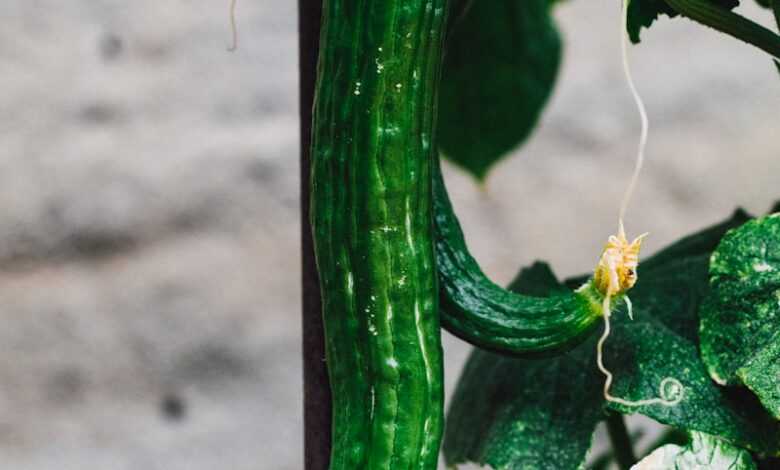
x=149, y=265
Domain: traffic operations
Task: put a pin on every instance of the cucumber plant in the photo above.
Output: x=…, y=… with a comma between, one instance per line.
x=400, y=82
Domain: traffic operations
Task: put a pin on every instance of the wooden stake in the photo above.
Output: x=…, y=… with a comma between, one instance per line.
x=316, y=387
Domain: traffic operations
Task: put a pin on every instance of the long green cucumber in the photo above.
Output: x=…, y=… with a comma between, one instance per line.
x=491, y=317
x=372, y=152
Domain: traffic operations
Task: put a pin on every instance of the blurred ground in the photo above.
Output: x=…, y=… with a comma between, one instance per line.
x=149, y=266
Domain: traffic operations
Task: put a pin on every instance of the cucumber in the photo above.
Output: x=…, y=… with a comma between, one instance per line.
x=371, y=200
x=486, y=315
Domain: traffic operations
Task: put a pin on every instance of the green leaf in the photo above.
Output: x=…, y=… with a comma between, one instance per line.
x=702, y=452
x=741, y=315
x=642, y=13
x=740, y=319
x=642, y=353
x=500, y=65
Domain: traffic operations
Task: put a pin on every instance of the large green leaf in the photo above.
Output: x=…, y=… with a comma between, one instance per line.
x=740, y=319
x=500, y=65
x=511, y=413
x=642, y=13
x=703, y=452
x=642, y=353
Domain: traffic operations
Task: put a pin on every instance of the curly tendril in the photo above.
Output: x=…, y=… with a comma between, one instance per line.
x=670, y=391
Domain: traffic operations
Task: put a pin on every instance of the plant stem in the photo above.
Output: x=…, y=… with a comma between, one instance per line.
x=316, y=386
x=729, y=23
x=621, y=443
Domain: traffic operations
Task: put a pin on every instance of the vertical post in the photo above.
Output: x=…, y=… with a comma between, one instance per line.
x=316, y=388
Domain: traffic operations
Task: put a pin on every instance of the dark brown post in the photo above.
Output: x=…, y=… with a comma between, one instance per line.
x=316, y=389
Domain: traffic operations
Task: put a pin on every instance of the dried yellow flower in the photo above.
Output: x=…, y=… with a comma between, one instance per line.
x=616, y=271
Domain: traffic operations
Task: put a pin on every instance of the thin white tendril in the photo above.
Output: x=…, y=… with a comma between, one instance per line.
x=670, y=390
x=640, y=159
x=233, y=27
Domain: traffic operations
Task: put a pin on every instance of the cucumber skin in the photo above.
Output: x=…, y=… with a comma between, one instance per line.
x=372, y=151
x=488, y=316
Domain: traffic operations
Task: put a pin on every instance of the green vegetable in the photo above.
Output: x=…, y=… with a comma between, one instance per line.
x=372, y=144
x=739, y=335
x=390, y=252
x=501, y=62
x=702, y=452
x=493, y=318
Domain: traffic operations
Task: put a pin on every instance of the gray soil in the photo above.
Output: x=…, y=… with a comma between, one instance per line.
x=149, y=265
